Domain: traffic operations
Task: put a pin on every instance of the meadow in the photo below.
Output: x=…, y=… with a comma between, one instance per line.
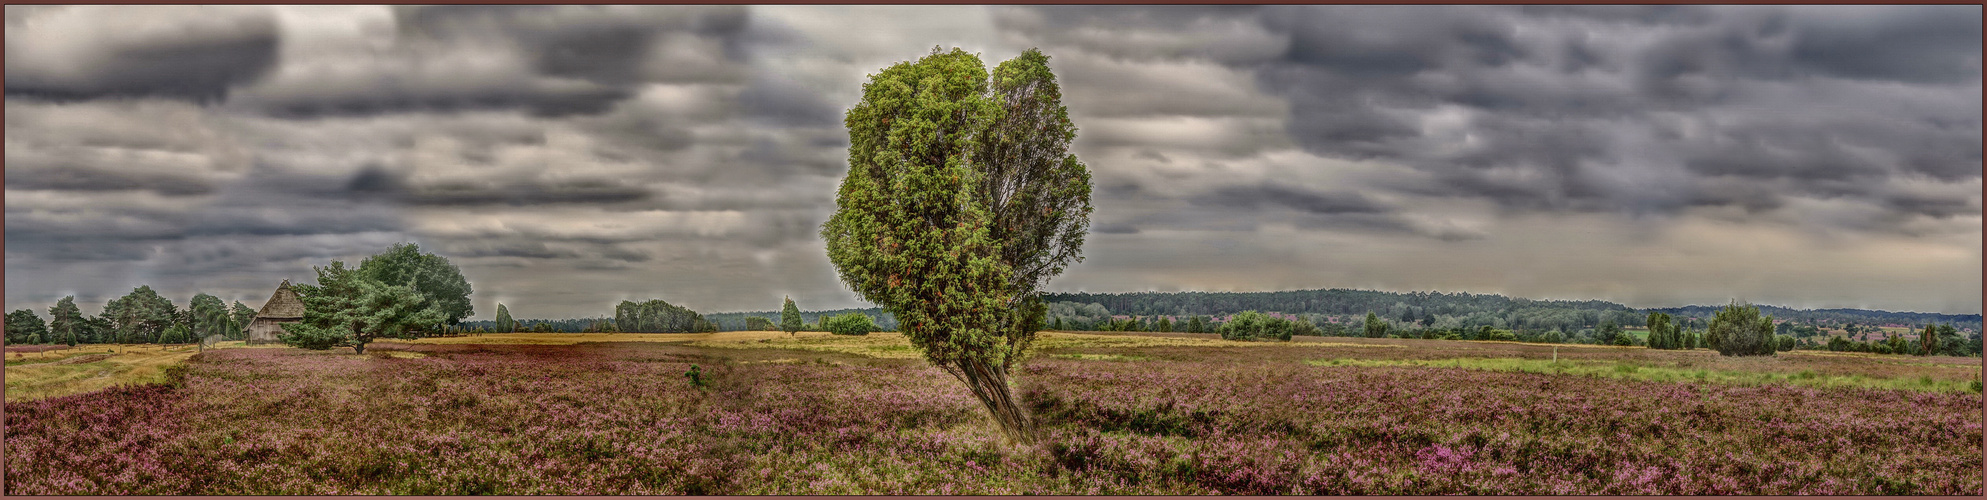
x=1119, y=414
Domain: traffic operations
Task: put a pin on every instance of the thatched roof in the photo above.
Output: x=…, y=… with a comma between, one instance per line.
x=282, y=304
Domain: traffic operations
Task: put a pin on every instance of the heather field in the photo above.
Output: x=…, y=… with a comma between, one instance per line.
x=1120, y=414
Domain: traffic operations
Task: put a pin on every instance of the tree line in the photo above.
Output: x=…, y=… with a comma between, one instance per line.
x=1447, y=310
x=140, y=317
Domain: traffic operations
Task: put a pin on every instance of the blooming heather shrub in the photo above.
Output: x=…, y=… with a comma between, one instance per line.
x=620, y=419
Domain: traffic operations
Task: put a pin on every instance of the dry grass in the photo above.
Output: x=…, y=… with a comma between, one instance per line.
x=89, y=368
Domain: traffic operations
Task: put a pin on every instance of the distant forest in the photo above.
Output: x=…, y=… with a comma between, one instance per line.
x=1410, y=310
x=1443, y=310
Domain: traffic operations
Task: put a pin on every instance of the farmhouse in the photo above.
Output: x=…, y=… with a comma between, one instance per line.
x=283, y=307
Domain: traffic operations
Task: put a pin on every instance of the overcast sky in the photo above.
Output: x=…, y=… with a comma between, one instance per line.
x=568, y=158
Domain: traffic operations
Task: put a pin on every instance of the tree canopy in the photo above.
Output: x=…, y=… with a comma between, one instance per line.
x=961, y=200
x=1739, y=330
x=346, y=308
x=439, y=283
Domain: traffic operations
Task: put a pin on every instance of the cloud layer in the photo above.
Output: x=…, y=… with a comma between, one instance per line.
x=569, y=157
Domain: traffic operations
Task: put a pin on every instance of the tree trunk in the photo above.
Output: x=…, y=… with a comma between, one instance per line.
x=989, y=384
x=359, y=348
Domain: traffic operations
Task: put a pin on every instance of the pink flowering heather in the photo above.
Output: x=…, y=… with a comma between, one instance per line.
x=622, y=419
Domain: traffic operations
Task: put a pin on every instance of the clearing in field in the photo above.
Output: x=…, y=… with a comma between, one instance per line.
x=89, y=368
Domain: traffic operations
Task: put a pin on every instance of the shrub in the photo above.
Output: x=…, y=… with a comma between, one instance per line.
x=1252, y=325
x=849, y=324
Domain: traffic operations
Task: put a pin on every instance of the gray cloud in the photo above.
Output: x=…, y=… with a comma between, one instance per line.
x=567, y=157
x=87, y=52
x=1704, y=107
x=1267, y=195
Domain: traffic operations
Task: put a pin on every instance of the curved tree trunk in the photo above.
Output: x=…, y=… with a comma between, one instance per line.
x=989, y=384
x=359, y=348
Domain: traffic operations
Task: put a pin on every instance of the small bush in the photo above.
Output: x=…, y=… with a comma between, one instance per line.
x=1252, y=325
x=849, y=324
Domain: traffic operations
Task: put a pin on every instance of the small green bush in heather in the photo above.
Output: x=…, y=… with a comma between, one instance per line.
x=1252, y=325
x=849, y=324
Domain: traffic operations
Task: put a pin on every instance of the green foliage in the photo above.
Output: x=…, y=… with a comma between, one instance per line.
x=790, y=320
x=1303, y=326
x=240, y=316
x=1489, y=333
x=760, y=324
x=1739, y=330
x=439, y=283
x=961, y=201
x=849, y=324
x=347, y=308
x=1252, y=325
x=1783, y=342
x=1929, y=341
x=1608, y=333
x=1663, y=332
x=209, y=316
x=24, y=327
x=140, y=316
x=505, y=324
x=1196, y=324
x=177, y=334
x=66, y=324
x=657, y=316
x=1374, y=327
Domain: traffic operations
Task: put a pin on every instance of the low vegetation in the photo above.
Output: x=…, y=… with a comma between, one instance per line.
x=817, y=413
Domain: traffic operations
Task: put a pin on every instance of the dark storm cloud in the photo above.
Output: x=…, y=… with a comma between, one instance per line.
x=71, y=177
x=1273, y=195
x=550, y=61
x=1705, y=106
x=88, y=52
x=786, y=102
x=597, y=191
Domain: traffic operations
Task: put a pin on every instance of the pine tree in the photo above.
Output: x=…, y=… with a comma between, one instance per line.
x=790, y=320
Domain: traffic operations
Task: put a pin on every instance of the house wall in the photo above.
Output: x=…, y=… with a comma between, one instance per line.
x=264, y=331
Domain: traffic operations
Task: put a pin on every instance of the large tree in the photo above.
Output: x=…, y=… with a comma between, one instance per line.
x=209, y=316
x=345, y=308
x=440, y=283
x=25, y=327
x=961, y=201
x=1739, y=330
x=140, y=316
x=789, y=317
x=65, y=321
x=242, y=316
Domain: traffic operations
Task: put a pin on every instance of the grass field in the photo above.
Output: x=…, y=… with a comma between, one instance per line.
x=51, y=373
x=1120, y=414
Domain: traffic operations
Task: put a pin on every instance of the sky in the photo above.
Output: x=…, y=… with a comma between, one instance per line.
x=567, y=158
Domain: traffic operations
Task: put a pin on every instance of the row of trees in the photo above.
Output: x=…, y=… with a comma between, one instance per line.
x=1452, y=310
x=658, y=316
x=140, y=317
